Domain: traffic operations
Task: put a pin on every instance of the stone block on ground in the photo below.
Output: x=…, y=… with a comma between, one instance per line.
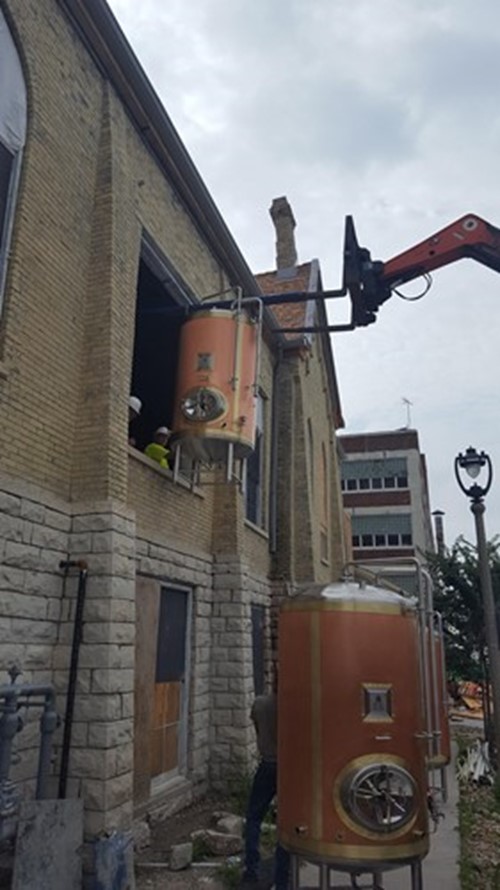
x=219, y=843
x=230, y=824
x=181, y=856
x=142, y=835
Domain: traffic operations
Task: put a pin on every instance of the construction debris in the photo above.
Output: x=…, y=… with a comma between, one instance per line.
x=474, y=765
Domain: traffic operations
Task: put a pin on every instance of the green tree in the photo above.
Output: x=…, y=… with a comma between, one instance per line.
x=457, y=595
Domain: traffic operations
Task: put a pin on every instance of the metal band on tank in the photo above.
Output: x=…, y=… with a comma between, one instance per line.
x=211, y=313
x=346, y=606
x=354, y=852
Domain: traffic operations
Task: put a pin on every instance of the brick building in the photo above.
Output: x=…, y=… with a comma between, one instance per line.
x=106, y=232
x=386, y=494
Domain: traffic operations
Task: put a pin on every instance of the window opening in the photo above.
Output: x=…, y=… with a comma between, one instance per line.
x=156, y=349
x=310, y=442
x=6, y=165
x=254, y=470
x=13, y=115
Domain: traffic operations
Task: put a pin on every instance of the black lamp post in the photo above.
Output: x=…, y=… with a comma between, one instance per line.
x=477, y=466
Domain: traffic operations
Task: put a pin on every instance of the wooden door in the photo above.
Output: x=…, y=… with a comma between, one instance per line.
x=169, y=719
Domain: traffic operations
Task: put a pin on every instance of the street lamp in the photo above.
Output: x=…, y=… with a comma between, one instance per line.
x=477, y=465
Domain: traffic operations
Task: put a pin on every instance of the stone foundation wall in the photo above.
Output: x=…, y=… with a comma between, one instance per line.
x=34, y=529
x=232, y=736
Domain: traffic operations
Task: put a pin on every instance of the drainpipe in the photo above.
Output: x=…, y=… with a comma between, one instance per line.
x=81, y=565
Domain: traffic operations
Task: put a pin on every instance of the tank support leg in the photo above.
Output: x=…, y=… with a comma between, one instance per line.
x=324, y=877
x=416, y=876
x=444, y=784
x=294, y=872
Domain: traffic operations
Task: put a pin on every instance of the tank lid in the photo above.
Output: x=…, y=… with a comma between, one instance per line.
x=355, y=592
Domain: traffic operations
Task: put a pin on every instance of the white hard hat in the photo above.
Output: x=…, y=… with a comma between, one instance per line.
x=135, y=404
x=164, y=430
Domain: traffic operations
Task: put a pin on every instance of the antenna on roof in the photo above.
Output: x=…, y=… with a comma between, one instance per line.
x=408, y=412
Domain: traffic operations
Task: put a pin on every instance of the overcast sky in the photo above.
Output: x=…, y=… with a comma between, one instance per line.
x=385, y=109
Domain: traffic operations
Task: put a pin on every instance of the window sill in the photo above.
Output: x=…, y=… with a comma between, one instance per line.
x=166, y=473
x=256, y=528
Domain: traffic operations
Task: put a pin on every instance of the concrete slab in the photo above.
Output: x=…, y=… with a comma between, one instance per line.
x=49, y=846
x=440, y=868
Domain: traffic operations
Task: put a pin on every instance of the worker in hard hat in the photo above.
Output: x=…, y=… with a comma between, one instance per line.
x=157, y=449
x=134, y=409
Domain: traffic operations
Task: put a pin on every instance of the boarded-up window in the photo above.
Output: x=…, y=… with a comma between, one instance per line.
x=172, y=624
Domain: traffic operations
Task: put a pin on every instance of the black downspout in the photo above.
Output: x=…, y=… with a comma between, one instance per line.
x=81, y=565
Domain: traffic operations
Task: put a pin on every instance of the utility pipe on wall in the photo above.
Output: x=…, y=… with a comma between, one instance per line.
x=81, y=565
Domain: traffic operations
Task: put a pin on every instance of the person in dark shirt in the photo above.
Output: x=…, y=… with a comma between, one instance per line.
x=264, y=786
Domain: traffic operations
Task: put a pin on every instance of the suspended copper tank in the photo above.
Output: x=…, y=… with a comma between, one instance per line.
x=352, y=774
x=216, y=384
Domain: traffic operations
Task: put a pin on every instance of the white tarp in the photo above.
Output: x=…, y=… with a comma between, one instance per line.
x=12, y=92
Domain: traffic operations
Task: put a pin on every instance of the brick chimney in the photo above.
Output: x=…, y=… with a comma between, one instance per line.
x=284, y=223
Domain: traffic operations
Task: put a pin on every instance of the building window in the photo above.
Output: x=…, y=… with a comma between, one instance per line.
x=156, y=344
x=13, y=116
x=382, y=529
x=402, y=481
x=389, y=482
x=364, y=484
x=377, y=483
x=355, y=540
x=352, y=484
x=310, y=443
x=254, y=471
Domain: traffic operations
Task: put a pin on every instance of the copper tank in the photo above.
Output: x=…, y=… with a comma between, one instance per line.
x=216, y=384
x=352, y=784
